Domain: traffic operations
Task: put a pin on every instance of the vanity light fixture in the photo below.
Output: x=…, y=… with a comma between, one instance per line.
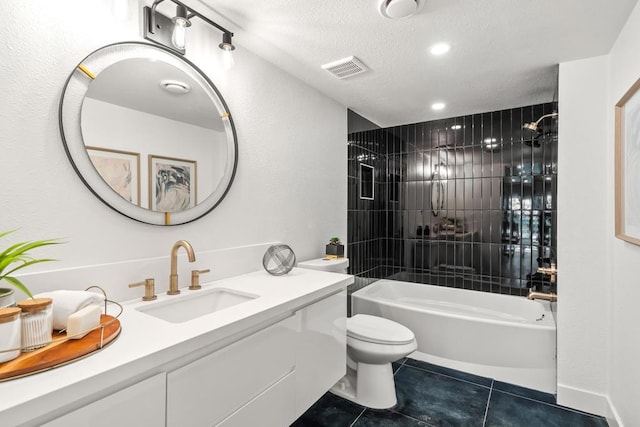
x=180, y=25
x=171, y=32
x=227, y=47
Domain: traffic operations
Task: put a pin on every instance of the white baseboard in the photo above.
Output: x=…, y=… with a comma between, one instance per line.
x=589, y=401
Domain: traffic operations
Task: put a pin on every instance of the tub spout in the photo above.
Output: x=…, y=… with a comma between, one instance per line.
x=550, y=296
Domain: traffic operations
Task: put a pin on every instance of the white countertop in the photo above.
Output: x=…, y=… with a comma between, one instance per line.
x=146, y=343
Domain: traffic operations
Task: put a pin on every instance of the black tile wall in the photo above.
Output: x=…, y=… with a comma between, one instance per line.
x=494, y=222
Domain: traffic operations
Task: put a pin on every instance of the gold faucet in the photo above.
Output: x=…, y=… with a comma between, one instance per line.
x=542, y=295
x=173, y=278
x=551, y=271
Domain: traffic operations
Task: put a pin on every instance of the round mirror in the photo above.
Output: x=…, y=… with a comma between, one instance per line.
x=148, y=133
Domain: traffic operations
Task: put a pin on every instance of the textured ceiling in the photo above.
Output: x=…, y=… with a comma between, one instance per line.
x=504, y=52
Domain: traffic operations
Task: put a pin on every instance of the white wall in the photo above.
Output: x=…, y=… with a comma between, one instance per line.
x=290, y=184
x=598, y=317
x=583, y=232
x=624, y=64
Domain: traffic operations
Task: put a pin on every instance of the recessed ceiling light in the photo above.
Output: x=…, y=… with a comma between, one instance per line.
x=440, y=48
x=175, y=86
x=397, y=9
x=456, y=127
x=437, y=106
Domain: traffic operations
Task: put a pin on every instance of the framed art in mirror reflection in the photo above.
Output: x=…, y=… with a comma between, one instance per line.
x=172, y=184
x=119, y=169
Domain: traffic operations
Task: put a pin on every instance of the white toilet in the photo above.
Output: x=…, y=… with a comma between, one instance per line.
x=372, y=344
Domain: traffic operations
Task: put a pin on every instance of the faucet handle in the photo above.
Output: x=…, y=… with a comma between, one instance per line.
x=149, y=289
x=195, y=278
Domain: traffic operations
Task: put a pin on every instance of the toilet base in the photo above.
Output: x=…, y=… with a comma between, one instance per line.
x=371, y=386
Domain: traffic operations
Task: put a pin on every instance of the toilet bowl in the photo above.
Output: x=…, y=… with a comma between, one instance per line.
x=372, y=344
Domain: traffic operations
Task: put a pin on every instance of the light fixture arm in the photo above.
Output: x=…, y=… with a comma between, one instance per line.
x=152, y=18
x=193, y=13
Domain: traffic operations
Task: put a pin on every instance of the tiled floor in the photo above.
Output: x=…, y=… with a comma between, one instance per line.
x=430, y=395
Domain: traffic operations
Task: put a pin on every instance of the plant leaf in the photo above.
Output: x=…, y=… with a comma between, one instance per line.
x=18, y=284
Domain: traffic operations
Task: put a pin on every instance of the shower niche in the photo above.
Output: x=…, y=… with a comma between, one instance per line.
x=467, y=202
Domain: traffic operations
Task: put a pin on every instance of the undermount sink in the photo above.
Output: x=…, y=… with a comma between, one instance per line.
x=200, y=303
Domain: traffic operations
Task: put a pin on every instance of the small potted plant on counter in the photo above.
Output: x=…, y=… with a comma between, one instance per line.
x=14, y=258
x=335, y=248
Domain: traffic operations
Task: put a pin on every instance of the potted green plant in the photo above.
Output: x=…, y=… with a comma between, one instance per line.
x=14, y=258
x=335, y=248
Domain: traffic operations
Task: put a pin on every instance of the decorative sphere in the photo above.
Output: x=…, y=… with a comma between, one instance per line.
x=279, y=260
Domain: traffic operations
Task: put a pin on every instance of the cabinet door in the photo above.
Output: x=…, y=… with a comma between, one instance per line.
x=321, y=349
x=204, y=392
x=142, y=405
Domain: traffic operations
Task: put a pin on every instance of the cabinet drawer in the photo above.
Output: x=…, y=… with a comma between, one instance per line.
x=273, y=408
x=141, y=404
x=206, y=391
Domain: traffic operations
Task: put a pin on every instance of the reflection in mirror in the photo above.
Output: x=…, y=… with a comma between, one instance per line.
x=156, y=110
x=438, y=177
x=148, y=133
x=366, y=182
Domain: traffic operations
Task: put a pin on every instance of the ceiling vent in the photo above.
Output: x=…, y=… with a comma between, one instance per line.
x=346, y=67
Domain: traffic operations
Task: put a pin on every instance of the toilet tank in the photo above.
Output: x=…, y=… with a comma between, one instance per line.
x=335, y=265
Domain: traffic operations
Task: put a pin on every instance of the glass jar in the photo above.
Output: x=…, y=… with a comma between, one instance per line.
x=37, y=322
x=10, y=337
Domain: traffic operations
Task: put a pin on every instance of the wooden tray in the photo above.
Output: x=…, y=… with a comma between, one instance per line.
x=61, y=351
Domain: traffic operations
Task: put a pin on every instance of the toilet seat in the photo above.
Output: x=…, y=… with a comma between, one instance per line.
x=378, y=330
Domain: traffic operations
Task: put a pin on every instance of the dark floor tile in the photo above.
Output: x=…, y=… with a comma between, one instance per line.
x=507, y=410
x=330, y=410
x=524, y=392
x=386, y=419
x=476, y=379
x=438, y=399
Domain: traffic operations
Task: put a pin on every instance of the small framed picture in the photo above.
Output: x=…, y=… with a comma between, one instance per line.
x=119, y=169
x=627, y=166
x=172, y=184
x=367, y=183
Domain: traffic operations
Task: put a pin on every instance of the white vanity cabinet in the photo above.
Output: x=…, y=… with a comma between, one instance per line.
x=270, y=372
x=268, y=378
x=206, y=391
x=143, y=402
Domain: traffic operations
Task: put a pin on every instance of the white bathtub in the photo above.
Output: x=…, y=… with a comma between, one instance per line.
x=504, y=337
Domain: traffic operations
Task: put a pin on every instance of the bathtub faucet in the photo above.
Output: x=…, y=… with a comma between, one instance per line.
x=542, y=295
x=551, y=271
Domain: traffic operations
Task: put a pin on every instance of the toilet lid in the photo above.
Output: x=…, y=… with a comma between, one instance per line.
x=378, y=330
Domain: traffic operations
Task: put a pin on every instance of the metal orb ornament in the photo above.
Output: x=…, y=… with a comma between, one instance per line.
x=279, y=260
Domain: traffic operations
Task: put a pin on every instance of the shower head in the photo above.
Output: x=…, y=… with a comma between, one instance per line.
x=533, y=126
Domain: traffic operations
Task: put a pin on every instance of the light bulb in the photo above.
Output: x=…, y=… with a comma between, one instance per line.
x=179, y=33
x=227, y=59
